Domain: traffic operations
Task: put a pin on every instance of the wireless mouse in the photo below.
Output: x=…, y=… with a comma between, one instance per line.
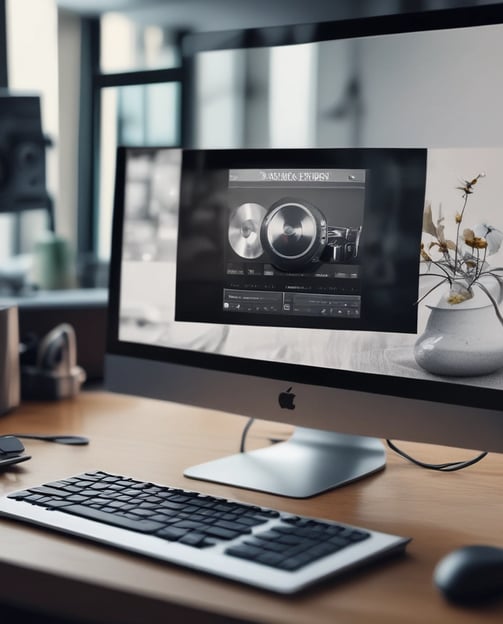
x=471, y=574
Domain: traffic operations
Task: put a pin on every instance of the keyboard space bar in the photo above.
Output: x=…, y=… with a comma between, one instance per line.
x=140, y=526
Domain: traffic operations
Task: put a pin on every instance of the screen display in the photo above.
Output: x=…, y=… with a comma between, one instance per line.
x=240, y=254
x=301, y=238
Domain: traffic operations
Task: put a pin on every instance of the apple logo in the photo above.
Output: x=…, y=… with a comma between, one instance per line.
x=285, y=399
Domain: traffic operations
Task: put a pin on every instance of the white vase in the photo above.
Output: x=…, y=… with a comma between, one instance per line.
x=464, y=339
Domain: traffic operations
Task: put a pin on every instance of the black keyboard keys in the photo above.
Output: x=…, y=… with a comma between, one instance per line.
x=296, y=542
x=140, y=525
x=189, y=518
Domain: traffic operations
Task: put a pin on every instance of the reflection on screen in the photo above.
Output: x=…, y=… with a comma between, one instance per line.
x=388, y=90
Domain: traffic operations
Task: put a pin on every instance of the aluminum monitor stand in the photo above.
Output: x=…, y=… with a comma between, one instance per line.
x=310, y=462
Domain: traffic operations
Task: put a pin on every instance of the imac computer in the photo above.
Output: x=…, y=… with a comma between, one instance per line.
x=325, y=249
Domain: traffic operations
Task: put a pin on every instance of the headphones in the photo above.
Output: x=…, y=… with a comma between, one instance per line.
x=55, y=374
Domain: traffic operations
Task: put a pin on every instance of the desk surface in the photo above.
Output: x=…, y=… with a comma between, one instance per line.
x=155, y=441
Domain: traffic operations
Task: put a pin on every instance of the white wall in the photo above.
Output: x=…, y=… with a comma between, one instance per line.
x=436, y=89
x=447, y=168
x=293, y=99
x=6, y=224
x=69, y=105
x=220, y=84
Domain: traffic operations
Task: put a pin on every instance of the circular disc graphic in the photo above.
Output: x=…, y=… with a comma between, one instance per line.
x=291, y=230
x=244, y=230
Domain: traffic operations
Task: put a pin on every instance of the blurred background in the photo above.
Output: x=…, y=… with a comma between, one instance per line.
x=79, y=77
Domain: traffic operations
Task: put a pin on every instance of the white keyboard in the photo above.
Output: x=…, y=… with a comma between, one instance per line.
x=263, y=547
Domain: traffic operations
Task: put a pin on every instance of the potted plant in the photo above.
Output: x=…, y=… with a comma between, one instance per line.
x=464, y=332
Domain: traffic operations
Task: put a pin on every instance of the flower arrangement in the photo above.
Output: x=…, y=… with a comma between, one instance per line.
x=461, y=262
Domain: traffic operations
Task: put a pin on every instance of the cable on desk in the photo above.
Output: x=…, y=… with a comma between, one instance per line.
x=249, y=423
x=60, y=438
x=445, y=467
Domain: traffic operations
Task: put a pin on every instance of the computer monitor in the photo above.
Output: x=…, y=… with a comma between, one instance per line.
x=282, y=282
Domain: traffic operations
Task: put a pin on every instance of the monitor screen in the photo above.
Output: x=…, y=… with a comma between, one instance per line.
x=348, y=288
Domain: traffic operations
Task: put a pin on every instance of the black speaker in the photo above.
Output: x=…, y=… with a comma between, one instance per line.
x=22, y=154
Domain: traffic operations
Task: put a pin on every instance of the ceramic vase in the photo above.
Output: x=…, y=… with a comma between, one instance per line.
x=463, y=339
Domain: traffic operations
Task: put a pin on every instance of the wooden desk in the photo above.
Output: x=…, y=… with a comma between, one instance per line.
x=154, y=441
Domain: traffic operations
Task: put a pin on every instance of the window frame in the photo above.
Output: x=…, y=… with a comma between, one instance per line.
x=92, y=81
x=4, y=80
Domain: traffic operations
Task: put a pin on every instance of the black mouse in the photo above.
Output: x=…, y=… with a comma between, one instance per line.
x=10, y=445
x=471, y=574
x=11, y=451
